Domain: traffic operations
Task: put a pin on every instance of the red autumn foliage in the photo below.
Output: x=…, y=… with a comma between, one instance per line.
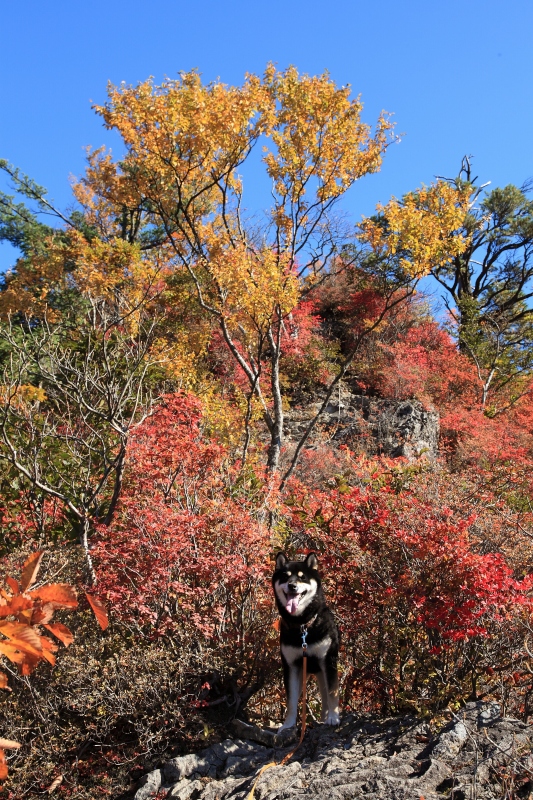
x=425, y=363
x=28, y=519
x=423, y=613
x=184, y=553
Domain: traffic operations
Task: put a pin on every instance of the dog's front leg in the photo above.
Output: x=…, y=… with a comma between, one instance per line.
x=332, y=686
x=292, y=677
x=323, y=687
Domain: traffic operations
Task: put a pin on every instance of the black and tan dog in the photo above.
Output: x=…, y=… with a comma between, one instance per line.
x=303, y=611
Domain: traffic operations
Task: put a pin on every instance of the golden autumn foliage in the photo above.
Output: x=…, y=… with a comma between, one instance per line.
x=164, y=231
x=423, y=228
x=185, y=142
x=179, y=184
x=318, y=134
x=179, y=190
x=28, y=289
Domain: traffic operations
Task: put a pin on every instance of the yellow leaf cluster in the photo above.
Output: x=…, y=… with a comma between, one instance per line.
x=28, y=287
x=180, y=357
x=252, y=285
x=317, y=132
x=184, y=135
x=102, y=266
x=22, y=397
x=425, y=228
x=110, y=201
x=185, y=142
x=99, y=268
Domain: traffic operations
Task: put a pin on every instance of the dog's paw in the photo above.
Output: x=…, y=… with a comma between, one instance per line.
x=286, y=726
x=332, y=718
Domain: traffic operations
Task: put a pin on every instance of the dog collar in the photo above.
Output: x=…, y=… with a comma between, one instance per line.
x=305, y=627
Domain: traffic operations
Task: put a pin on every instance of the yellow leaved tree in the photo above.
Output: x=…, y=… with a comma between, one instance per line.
x=424, y=230
x=185, y=143
x=164, y=232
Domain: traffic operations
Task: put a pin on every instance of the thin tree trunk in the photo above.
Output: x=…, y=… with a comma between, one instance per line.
x=84, y=541
x=276, y=433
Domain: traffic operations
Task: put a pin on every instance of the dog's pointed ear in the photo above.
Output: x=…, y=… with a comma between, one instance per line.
x=281, y=560
x=311, y=561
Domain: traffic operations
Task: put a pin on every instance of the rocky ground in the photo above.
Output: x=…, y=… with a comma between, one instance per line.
x=476, y=756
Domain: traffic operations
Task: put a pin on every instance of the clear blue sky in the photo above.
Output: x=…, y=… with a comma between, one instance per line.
x=458, y=75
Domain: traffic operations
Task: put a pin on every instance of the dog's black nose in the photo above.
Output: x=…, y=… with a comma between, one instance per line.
x=292, y=587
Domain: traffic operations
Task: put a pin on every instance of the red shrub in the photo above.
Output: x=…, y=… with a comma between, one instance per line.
x=423, y=614
x=184, y=554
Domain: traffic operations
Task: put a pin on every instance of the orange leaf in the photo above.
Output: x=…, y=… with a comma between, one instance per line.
x=29, y=664
x=50, y=657
x=3, y=681
x=28, y=650
x=13, y=585
x=49, y=645
x=23, y=636
x=61, y=632
x=25, y=616
x=43, y=615
x=3, y=766
x=11, y=652
x=15, y=605
x=61, y=594
x=275, y=625
x=99, y=610
x=8, y=744
x=30, y=570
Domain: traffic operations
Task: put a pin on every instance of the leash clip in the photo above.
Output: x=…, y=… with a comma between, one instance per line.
x=304, y=631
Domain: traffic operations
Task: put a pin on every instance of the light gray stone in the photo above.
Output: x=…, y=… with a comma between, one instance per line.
x=407, y=430
x=185, y=790
x=362, y=759
x=278, y=780
x=185, y=766
x=489, y=714
x=396, y=428
x=149, y=785
x=451, y=741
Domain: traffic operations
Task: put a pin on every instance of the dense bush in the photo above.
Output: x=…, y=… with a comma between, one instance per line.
x=430, y=580
x=428, y=619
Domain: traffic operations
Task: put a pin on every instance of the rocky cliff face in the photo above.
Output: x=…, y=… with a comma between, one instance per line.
x=393, y=428
x=478, y=754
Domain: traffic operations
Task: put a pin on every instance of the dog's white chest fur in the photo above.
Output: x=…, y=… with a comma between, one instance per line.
x=317, y=650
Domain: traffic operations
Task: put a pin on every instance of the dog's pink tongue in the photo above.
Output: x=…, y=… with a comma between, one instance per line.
x=292, y=604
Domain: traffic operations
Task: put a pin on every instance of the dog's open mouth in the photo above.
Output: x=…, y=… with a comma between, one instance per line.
x=292, y=600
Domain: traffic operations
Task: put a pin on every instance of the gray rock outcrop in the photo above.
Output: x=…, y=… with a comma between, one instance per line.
x=477, y=755
x=403, y=428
